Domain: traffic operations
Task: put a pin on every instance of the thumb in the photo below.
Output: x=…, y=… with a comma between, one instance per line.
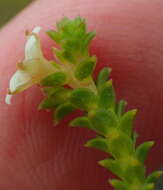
x=34, y=154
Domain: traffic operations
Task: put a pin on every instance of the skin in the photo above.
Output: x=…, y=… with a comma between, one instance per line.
x=36, y=155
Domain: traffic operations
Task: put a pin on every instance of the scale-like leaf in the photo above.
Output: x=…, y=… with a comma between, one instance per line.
x=103, y=77
x=143, y=149
x=83, y=98
x=56, y=79
x=62, y=111
x=85, y=68
x=107, y=96
x=98, y=143
x=126, y=122
x=82, y=122
x=103, y=120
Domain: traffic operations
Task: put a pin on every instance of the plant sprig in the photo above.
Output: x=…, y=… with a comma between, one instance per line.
x=71, y=86
x=102, y=113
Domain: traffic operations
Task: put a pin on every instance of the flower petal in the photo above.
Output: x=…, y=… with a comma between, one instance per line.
x=33, y=69
x=8, y=99
x=19, y=81
x=32, y=47
x=36, y=30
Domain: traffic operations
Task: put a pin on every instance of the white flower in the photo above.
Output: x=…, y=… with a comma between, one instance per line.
x=32, y=69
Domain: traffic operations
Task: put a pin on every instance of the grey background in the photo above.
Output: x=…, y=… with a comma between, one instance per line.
x=9, y=8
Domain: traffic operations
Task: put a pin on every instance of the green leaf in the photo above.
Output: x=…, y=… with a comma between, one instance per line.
x=107, y=96
x=103, y=120
x=64, y=55
x=103, y=76
x=143, y=149
x=119, y=185
x=128, y=169
x=88, y=37
x=56, y=96
x=121, y=107
x=120, y=145
x=72, y=36
x=98, y=143
x=112, y=165
x=126, y=122
x=56, y=79
x=83, y=98
x=47, y=103
x=54, y=35
x=82, y=122
x=49, y=91
x=152, y=178
x=62, y=111
x=63, y=22
x=85, y=68
x=133, y=170
x=67, y=55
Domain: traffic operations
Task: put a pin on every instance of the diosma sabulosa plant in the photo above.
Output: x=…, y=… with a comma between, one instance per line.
x=68, y=84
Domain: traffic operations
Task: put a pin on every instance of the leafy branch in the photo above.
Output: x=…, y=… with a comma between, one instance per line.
x=102, y=113
x=68, y=84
